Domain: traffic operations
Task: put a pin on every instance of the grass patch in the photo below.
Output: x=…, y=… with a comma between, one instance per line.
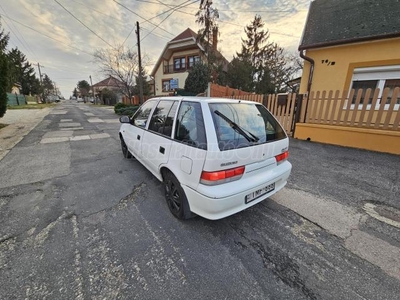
x=32, y=106
x=3, y=125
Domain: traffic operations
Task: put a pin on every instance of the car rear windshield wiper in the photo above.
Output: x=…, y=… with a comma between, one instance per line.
x=237, y=128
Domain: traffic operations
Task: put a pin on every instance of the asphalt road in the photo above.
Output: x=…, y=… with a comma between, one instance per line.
x=78, y=221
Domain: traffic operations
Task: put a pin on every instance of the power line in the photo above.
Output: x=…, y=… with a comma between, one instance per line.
x=121, y=22
x=25, y=45
x=158, y=25
x=139, y=17
x=84, y=24
x=173, y=10
x=46, y=35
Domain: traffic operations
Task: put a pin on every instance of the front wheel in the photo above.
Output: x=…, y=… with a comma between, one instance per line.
x=176, y=198
x=125, y=150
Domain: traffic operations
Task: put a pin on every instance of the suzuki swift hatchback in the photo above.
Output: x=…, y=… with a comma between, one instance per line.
x=216, y=157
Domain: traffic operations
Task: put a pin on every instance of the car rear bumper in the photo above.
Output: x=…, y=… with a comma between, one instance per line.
x=214, y=208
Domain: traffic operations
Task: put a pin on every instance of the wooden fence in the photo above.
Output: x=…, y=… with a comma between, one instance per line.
x=215, y=90
x=364, y=109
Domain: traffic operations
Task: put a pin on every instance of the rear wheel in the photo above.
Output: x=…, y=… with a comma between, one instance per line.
x=176, y=198
x=125, y=150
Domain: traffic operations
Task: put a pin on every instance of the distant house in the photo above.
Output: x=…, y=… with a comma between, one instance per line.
x=16, y=88
x=111, y=84
x=351, y=44
x=177, y=57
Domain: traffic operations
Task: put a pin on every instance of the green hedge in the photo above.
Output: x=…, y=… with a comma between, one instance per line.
x=125, y=110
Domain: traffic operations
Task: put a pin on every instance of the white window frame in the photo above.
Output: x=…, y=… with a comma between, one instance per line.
x=381, y=74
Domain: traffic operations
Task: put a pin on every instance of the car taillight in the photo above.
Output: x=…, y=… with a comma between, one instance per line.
x=281, y=157
x=218, y=177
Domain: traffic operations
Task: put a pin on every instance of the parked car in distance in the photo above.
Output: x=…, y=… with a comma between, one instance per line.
x=79, y=99
x=216, y=157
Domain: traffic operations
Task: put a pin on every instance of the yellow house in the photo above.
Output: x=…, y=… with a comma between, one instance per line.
x=351, y=45
x=179, y=55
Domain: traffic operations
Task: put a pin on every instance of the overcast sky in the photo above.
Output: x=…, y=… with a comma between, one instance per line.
x=47, y=32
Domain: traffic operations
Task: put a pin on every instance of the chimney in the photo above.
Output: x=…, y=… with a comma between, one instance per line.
x=215, y=38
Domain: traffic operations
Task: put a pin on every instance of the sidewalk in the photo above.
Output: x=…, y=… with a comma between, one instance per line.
x=21, y=122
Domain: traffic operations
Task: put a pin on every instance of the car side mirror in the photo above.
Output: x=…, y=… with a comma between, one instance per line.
x=125, y=119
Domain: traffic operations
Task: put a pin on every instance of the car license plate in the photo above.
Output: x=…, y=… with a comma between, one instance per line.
x=256, y=194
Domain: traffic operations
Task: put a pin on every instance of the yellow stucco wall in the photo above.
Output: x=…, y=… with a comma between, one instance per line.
x=334, y=66
x=160, y=76
x=376, y=140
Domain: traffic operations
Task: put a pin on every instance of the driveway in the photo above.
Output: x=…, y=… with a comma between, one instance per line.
x=77, y=220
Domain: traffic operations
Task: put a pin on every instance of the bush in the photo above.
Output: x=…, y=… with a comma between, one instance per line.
x=126, y=110
x=118, y=106
x=3, y=84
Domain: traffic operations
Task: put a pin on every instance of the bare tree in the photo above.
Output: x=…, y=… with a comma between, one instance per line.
x=122, y=63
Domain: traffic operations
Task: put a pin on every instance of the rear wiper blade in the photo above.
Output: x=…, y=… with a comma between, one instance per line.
x=237, y=128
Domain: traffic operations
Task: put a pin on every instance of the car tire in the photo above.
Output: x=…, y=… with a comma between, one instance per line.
x=125, y=150
x=176, y=197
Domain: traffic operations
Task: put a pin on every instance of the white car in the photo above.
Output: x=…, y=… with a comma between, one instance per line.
x=216, y=157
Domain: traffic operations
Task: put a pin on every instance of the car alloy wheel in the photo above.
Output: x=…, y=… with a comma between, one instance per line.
x=176, y=198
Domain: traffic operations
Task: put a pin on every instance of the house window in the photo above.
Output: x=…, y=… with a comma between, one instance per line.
x=166, y=85
x=364, y=85
x=193, y=59
x=392, y=84
x=180, y=64
x=376, y=77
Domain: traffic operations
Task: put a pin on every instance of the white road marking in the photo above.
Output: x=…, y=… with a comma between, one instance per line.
x=58, y=133
x=111, y=121
x=64, y=125
x=95, y=120
x=54, y=140
x=99, y=136
x=79, y=138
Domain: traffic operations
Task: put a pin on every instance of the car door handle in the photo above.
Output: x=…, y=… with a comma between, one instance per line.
x=138, y=137
x=162, y=150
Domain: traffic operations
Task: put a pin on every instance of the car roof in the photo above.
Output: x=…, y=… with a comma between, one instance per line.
x=204, y=99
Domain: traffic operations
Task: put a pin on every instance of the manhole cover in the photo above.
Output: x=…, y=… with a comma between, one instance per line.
x=383, y=213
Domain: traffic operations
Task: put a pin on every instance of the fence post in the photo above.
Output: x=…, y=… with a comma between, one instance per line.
x=296, y=119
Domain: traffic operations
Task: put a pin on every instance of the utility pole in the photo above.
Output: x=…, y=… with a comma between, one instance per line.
x=40, y=77
x=91, y=83
x=140, y=65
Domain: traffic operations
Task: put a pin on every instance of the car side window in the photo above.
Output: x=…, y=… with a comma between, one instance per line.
x=142, y=114
x=190, y=125
x=163, y=117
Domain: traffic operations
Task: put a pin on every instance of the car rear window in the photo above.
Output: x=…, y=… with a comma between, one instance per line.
x=242, y=125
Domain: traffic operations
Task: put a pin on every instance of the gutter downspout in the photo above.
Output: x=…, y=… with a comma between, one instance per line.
x=310, y=77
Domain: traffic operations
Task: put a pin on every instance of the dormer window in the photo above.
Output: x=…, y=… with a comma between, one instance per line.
x=180, y=64
x=192, y=60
